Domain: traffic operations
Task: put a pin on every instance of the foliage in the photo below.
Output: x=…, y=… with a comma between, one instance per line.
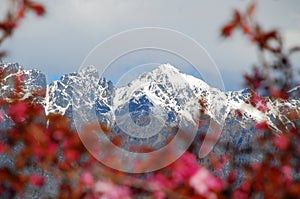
x=14, y=15
x=276, y=75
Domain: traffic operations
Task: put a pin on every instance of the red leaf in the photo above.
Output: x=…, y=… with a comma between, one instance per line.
x=227, y=30
x=8, y=26
x=255, y=80
x=251, y=9
x=246, y=28
x=270, y=35
x=20, y=13
x=37, y=8
x=279, y=93
x=237, y=16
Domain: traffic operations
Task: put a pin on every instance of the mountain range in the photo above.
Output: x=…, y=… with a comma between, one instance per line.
x=150, y=109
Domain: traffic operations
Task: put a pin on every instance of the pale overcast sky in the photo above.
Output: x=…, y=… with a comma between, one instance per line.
x=58, y=42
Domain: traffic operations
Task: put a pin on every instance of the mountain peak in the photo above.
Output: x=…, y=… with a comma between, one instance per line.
x=167, y=68
x=89, y=70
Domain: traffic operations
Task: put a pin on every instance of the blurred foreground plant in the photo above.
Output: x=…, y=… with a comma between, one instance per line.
x=14, y=15
x=274, y=75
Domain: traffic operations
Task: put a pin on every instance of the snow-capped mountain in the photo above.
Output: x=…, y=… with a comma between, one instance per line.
x=18, y=83
x=100, y=92
x=150, y=109
x=177, y=94
x=172, y=97
x=32, y=82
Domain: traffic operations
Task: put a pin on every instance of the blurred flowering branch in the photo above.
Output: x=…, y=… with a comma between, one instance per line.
x=14, y=15
x=272, y=77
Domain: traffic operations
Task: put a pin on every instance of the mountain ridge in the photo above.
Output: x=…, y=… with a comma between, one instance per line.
x=150, y=112
x=165, y=86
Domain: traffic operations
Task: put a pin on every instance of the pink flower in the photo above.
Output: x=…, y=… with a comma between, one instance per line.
x=184, y=168
x=204, y=183
x=52, y=148
x=39, y=151
x=37, y=180
x=159, y=183
x=238, y=194
x=18, y=112
x=111, y=191
x=87, y=179
x=159, y=195
x=281, y=142
x=287, y=172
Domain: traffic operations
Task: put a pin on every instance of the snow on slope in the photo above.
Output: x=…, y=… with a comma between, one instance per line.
x=165, y=87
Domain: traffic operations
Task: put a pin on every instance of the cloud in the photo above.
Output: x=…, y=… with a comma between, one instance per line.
x=59, y=42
